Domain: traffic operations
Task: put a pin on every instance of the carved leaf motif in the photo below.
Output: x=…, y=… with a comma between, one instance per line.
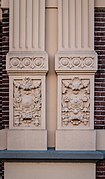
x=75, y=101
x=27, y=102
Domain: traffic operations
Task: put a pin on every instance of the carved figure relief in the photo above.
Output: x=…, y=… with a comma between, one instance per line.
x=27, y=102
x=75, y=101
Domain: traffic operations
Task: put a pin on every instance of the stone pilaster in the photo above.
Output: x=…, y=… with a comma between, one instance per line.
x=27, y=65
x=75, y=64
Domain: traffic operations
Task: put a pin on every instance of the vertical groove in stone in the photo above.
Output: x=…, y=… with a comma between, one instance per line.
x=69, y=38
x=85, y=24
x=91, y=24
x=39, y=24
x=65, y=23
x=78, y=24
x=29, y=24
x=22, y=24
x=11, y=43
x=72, y=19
x=35, y=23
x=16, y=24
x=60, y=24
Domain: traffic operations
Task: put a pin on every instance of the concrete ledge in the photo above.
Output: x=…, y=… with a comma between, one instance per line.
x=27, y=140
x=76, y=140
x=51, y=155
x=3, y=139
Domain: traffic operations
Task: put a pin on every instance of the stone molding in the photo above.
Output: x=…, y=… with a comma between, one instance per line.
x=76, y=62
x=27, y=62
x=99, y=3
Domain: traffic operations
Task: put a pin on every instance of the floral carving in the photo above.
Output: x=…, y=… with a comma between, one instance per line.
x=76, y=62
x=27, y=102
x=26, y=62
x=75, y=101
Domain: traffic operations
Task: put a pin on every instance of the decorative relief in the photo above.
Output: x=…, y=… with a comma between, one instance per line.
x=27, y=62
x=75, y=101
x=27, y=102
x=75, y=62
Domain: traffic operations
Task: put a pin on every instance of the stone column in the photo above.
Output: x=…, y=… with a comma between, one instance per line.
x=27, y=65
x=75, y=65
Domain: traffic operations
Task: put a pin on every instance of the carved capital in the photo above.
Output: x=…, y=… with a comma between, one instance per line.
x=76, y=62
x=26, y=62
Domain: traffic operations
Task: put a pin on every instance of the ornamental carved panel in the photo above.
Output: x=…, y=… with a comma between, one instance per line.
x=75, y=102
x=27, y=102
x=76, y=62
x=27, y=62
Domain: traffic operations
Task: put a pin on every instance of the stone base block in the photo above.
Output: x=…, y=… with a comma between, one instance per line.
x=49, y=170
x=100, y=140
x=76, y=140
x=3, y=139
x=27, y=140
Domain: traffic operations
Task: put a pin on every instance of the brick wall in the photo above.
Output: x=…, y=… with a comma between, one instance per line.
x=5, y=80
x=100, y=80
x=100, y=75
x=100, y=170
x=1, y=171
x=0, y=74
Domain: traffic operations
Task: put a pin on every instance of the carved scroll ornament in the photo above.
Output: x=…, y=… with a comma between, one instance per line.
x=75, y=101
x=27, y=102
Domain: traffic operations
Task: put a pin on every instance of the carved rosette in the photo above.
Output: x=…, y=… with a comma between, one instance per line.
x=27, y=102
x=27, y=62
x=75, y=102
x=75, y=62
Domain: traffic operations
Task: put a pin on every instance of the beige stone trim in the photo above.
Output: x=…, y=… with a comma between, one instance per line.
x=27, y=62
x=27, y=140
x=76, y=61
x=99, y=3
x=51, y=3
x=5, y=3
x=3, y=139
x=50, y=170
x=100, y=139
x=76, y=140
